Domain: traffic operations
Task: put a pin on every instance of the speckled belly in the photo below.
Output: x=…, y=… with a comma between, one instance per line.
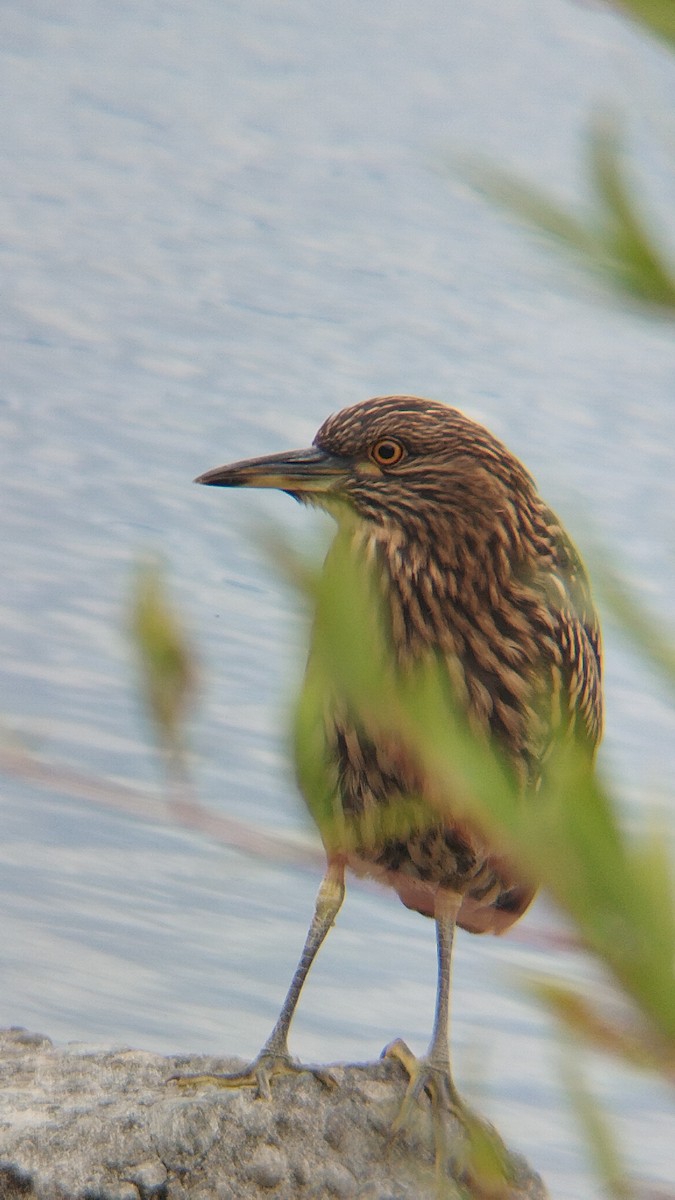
x=399, y=840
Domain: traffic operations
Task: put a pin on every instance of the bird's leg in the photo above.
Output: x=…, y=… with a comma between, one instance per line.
x=433, y=1073
x=438, y=1054
x=274, y=1058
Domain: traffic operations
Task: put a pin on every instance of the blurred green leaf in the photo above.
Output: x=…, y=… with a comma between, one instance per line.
x=487, y=1167
x=632, y=255
x=656, y=15
x=634, y=1042
x=643, y=629
x=598, y=1135
x=614, y=239
x=296, y=566
x=566, y=836
x=614, y=890
x=167, y=665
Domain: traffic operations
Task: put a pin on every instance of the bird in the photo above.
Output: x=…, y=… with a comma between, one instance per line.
x=476, y=572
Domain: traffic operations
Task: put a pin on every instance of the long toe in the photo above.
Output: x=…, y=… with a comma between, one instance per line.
x=258, y=1074
x=434, y=1079
x=425, y=1075
x=465, y=1146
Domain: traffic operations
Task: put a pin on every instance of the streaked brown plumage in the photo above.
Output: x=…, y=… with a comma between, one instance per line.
x=472, y=566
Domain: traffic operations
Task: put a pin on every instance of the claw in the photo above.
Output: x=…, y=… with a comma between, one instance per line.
x=257, y=1075
x=478, y=1156
x=425, y=1076
x=436, y=1080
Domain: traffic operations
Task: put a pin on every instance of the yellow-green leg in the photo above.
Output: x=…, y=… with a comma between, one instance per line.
x=274, y=1058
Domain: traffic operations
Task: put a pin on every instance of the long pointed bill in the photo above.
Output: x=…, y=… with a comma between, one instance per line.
x=295, y=471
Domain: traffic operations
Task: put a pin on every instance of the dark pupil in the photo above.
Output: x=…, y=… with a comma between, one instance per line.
x=387, y=451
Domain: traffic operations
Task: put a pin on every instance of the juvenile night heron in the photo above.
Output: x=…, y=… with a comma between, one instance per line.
x=476, y=571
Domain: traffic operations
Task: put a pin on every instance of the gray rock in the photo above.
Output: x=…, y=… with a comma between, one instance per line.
x=112, y=1125
x=268, y=1167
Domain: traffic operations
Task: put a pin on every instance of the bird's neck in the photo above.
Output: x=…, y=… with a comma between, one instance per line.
x=455, y=590
x=429, y=582
x=475, y=599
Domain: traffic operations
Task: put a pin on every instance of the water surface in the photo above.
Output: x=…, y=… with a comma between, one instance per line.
x=220, y=223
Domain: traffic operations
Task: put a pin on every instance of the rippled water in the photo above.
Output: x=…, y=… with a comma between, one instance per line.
x=221, y=222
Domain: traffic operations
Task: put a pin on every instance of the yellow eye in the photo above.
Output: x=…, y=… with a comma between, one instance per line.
x=386, y=452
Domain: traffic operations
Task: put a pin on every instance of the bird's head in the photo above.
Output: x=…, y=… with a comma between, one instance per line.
x=396, y=461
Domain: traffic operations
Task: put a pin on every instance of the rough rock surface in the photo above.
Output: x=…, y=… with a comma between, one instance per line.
x=82, y=1125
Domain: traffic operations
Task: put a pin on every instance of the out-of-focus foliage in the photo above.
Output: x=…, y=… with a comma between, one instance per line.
x=167, y=664
x=656, y=15
x=621, y=897
x=629, y=1039
x=654, y=644
x=600, y=1140
x=487, y=1167
x=614, y=240
x=566, y=836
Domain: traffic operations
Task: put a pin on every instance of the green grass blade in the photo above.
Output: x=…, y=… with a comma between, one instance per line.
x=167, y=665
x=598, y=1135
x=613, y=240
x=658, y=16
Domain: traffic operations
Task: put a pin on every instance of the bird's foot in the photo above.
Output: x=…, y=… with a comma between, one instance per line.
x=436, y=1080
x=478, y=1156
x=425, y=1076
x=258, y=1074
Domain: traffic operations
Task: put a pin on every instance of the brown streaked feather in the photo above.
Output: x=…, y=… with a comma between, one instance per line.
x=473, y=566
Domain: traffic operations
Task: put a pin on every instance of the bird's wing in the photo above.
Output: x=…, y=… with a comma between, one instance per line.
x=579, y=640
